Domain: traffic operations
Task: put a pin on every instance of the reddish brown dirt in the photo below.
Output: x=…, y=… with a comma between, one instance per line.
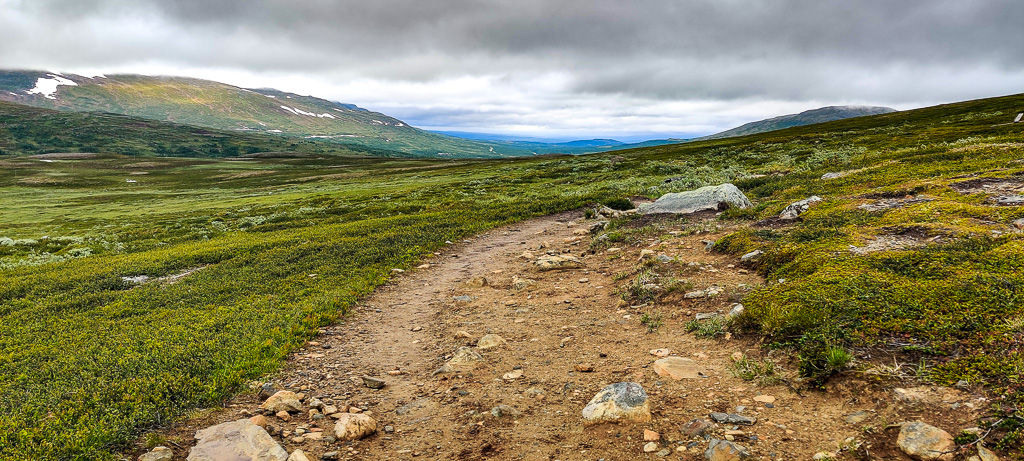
x=564, y=319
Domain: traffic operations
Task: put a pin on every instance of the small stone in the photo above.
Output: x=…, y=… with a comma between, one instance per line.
x=463, y=298
x=664, y=452
x=534, y=393
x=266, y=391
x=373, y=383
x=651, y=436
x=752, y=256
x=986, y=455
x=619, y=402
x=584, y=280
x=584, y=367
x=722, y=450
x=389, y=429
x=158, y=454
x=925, y=442
x=822, y=455
x=728, y=418
x=352, y=426
x=678, y=368
x=765, y=399
x=651, y=447
x=696, y=294
x=283, y=415
x=330, y=455
x=315, y=403
x=463, y=334
x=416, y=328
x=477, y=282
x=558, y=262
x=737, y=356
x=464, y=358
x=660, y=353
x=513, y=375
x=286, y=401
x=490, y=341
x=857, y=417
x=298, y=440
x=695, y=427
x=504, y=410
x=259, y=420
x=330, y=409
x=298, y=455
x=736, y=311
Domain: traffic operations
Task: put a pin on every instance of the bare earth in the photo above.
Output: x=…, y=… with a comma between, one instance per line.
x=562, y=321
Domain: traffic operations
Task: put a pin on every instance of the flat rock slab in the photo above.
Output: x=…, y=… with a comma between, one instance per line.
x=718, y=197
x=557, y=262
x=729, y=418
x=721, y=450
x=236, y=440
x=678, y=368
x=925, y=442
x=619, y=402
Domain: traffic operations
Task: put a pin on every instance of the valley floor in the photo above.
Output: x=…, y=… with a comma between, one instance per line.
x=570, y=333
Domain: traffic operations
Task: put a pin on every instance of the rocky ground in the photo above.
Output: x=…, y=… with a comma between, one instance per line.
x=538, y=309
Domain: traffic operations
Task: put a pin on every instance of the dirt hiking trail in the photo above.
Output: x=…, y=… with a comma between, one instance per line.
x=567, y=334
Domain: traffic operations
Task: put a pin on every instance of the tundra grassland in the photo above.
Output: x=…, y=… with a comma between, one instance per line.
x=246, y=257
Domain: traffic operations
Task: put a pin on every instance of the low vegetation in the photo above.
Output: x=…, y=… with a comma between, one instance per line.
x=246, y=259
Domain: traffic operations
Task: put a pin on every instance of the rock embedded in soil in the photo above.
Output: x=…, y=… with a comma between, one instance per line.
x=619, y=402
x=490, y=341
x=763, y=398
x=464, y=359
x=718, y=197
x=351, y=426
x=857, y=417
x=373, y=383
x=752, y=256
x=730, y=418
x=722, y=450
x=925, y=442
x=984, y=454
x=584, y=367
x=557, y=262
x=236, y=440
x=286, y=401
x=795, y=209
x=651, y=436
x=504, y=410
x=298, y=455
x=677, y=368
x=266, y=391
x=695, y=427
x=158, y=454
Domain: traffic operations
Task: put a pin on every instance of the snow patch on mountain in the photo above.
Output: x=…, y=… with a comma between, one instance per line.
x=295, y=111
x=48, y=86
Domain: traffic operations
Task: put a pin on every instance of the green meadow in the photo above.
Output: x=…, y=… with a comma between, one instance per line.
x=247, y=257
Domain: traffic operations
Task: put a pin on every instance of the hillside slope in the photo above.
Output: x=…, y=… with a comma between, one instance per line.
x=28, y=130
x=808, y=117
x=217, y=105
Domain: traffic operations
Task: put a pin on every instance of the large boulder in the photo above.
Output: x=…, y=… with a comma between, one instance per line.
x=925, y=442
x=619, y=402
x=354, y=426
x=718, y=197
x=236, y=440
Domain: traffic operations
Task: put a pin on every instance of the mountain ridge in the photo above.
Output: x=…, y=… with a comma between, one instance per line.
x=807, y=117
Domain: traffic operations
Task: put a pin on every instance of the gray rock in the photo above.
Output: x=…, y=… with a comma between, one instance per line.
x=706, y=315
x=354, y=426
x=619, y=402
x=236, y=440
x=833, y=175
x=504, y=410
x=463, y=298
x=796, y=209
x=729, y=418
x=925, y=442
x=330, y=455
x=718, y=197
x=736, y=311
x=158, y=454
x=721, y=450
x=1010, y=200
x=986, y=455
x=752, y=256
x=663, y=259
x=373, y=383
x=283, y=401
x=266, y=390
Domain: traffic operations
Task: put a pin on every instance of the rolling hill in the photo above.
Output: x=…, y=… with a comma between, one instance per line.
x=210, y=104
x=808, y=117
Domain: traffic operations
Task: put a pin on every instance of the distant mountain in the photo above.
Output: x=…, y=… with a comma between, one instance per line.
x=217, y=105
x=809, y=117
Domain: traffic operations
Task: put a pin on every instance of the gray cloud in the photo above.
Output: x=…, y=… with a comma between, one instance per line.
x=556, y=56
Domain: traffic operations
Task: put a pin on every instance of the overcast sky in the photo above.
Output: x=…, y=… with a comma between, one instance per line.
x=567, y=68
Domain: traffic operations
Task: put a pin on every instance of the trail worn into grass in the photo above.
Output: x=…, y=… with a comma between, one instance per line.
x=560, y=325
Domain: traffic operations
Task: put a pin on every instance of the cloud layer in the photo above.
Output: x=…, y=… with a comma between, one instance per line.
x=566, y=68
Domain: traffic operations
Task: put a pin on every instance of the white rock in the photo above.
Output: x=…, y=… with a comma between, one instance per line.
x=236, y=440
x=351, y=426
x=718, y=197
x=925, y=442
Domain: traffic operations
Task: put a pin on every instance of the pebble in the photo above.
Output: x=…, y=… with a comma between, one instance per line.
x=651, y=447
x=584, y=367
x=373, y=383
x=651, y=436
